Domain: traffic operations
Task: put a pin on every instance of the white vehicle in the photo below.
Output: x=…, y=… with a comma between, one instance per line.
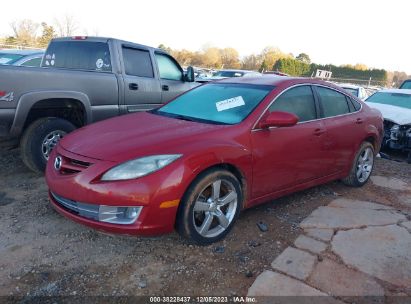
x=395, y=106
x=355, y=90
x=222, y=74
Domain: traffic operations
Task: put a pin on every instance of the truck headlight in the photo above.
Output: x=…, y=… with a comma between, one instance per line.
x=139, y=167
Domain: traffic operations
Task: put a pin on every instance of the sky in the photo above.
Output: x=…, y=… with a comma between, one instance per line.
x=375, y=33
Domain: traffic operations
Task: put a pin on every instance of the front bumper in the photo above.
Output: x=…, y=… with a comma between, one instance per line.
x=158, y=194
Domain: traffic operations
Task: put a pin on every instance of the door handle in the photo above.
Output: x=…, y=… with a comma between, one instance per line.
x=318, y=132
x=359, y=121
x=133, y=86
x=165, y=87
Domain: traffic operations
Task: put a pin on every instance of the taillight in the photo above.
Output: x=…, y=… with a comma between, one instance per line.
x=2, y=93
x=79, y=37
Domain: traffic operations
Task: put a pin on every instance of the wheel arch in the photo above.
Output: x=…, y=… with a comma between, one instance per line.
x=66, y=105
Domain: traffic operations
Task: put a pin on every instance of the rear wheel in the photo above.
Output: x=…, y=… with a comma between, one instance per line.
x=39, y=140
x=362, y=166
x=210, y=207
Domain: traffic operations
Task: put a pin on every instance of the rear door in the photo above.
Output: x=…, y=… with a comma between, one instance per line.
x=171, y=77
x=141, y=89
x=344, y=126
x=285, y=157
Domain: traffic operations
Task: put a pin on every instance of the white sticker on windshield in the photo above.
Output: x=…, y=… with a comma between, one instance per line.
x=230, y=103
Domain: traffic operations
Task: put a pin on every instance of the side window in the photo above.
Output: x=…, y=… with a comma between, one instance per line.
x=168, y=68
x=333, y=102
x=356, y=104
x=137, y=62
x=299, y=101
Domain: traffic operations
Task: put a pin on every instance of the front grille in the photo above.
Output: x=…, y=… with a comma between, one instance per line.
x=86, y=210
x=72, y=166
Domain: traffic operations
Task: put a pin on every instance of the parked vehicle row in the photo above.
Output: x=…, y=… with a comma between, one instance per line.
x=82, y=80
x=196, y=162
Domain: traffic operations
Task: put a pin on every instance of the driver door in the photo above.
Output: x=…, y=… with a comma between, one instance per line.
x=287, y=156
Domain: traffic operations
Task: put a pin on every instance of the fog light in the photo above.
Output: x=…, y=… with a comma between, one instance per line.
x=118, y=215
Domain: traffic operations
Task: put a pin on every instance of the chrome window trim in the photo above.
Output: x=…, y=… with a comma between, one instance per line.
x=307, y=121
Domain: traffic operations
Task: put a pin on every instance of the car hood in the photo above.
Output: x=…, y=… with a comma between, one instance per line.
x=135, y=135
x=398, y=115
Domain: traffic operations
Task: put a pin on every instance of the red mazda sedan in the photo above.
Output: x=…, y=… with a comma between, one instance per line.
x=196, y=162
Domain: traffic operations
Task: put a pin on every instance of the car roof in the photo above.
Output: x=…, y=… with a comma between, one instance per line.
x=21, y=52
x=275, y=80
x=401, y=91
x=234, y=70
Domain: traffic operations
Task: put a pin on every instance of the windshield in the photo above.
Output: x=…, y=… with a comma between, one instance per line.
x=216, y=103
x=406, y=85
x=9, y=58
x=394, y=99
x=228, y=74
x=351, y=91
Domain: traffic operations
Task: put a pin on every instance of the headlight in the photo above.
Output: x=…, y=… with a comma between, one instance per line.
x=139, y=167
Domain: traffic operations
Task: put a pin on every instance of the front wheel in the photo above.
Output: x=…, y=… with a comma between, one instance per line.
x=210, y=207
x=362, y=166
x=39, y=140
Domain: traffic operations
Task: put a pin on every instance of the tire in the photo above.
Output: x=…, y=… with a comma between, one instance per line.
x=198, y=207
x=362, y=166
x=34, y=149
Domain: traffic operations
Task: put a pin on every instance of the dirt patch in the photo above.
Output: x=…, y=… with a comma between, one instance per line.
x=42, y=253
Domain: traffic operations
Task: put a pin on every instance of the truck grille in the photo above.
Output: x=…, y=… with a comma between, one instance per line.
x=86, y=210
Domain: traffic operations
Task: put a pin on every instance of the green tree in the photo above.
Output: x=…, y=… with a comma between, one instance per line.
x=48, y=33
x=165, y=48
x=303, y=57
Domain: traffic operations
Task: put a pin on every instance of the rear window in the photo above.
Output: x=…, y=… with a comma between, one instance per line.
x=78, y=55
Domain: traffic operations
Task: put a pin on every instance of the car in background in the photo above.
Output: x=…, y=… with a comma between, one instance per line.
x=29, y=58
x=222, y=74
x=395, y=106
x=196, y=162
x=406, y=84
x=355, y=90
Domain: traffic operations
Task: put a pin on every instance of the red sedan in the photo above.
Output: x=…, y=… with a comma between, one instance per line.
x=196, y=162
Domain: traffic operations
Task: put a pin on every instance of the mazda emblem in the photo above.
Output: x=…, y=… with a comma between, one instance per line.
x=57, y=163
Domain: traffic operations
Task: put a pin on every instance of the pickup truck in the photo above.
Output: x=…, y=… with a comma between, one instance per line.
x=82, y=80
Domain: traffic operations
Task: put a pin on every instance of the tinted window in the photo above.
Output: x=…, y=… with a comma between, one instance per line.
x=333, y=102
x=78, y=55
x=406, y=85
x=356, y=104
x=168, y=68
x=216, y=103
x=35, y=62
x=352, y=91
x=137, y=62
x=299, y=100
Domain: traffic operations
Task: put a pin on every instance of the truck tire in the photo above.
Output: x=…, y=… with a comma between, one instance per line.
x=40, y=138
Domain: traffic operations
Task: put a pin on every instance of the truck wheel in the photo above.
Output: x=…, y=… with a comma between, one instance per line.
x=362, y=166
x=40, y=138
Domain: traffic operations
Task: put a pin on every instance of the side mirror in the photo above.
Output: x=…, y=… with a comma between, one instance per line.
x=189, y=77
x=278, y=119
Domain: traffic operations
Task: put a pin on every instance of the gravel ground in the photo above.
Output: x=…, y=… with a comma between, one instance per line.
x=42, y=253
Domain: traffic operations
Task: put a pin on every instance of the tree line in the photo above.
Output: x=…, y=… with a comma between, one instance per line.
x=27, y=33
